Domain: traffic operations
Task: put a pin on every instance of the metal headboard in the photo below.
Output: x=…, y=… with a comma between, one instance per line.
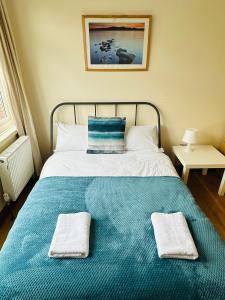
x=75, y=104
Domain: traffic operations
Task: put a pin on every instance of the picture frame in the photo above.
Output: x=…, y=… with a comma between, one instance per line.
x=116, y=42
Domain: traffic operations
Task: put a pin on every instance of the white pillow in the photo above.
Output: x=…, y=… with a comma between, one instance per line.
x=142, y=138
x=71, y=137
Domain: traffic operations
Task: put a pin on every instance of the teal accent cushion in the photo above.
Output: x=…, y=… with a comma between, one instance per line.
x=106, y=135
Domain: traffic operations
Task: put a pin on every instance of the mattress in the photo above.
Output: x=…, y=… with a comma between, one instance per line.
x=123, y=261
x=131, y=163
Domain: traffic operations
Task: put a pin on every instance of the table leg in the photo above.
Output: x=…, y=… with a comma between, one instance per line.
x=185, y=174
x=221, y=191
x=204, y=171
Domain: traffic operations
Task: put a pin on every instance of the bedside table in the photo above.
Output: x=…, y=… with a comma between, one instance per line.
x=201, y=157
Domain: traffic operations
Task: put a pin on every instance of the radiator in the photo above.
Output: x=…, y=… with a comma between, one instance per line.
x=16, y=167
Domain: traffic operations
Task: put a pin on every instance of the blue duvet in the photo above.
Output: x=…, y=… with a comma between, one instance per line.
x=123, y=261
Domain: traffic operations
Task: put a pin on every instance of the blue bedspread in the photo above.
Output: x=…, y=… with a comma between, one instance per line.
x=123, y=262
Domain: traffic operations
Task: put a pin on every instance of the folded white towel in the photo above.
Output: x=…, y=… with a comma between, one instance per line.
x=71, y=236
x=173, y=237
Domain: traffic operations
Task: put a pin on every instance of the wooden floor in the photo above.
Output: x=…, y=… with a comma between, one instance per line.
x=205, y=191
x=11, y=212
x=203, y=188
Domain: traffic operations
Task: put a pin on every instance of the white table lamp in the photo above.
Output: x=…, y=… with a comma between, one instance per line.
x=190, y=137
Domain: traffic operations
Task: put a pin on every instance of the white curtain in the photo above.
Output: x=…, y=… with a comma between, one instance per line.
x=14, y=86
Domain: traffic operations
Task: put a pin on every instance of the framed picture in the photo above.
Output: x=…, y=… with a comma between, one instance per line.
x=116, y=43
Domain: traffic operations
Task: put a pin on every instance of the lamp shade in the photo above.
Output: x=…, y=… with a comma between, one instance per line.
x=190, y=136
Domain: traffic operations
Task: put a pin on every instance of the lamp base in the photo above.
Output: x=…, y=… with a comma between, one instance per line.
x=187, y=148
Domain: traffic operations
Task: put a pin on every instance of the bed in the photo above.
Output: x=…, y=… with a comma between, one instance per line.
x=120, y=192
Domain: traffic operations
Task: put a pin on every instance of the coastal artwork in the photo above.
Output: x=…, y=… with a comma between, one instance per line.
x=116, y=43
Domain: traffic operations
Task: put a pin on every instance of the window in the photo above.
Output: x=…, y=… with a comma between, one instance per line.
x=6, y=119
x=3, y=111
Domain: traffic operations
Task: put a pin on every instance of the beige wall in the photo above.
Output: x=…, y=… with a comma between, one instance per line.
x=186, y=79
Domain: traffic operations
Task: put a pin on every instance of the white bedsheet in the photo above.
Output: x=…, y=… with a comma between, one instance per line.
x=131, y=163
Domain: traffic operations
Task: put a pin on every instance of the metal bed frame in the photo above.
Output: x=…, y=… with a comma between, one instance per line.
x=75, y=104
